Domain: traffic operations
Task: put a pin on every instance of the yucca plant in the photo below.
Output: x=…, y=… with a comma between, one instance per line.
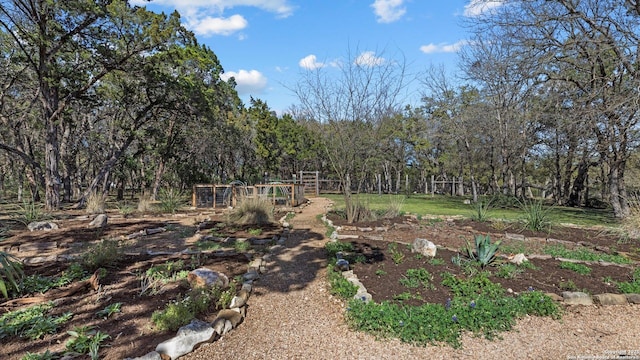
x=10, y=273
x=485, y=253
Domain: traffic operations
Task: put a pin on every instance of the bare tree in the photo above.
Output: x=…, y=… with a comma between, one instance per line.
x=590, y=46
x=347, y=100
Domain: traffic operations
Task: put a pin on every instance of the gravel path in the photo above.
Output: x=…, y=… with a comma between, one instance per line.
x=291, y=315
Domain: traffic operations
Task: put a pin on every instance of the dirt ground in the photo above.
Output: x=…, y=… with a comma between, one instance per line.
x=131, y=330
x=380, y=273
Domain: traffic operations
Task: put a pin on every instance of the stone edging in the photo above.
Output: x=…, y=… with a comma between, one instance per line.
x=568, y=297
x=198, y=332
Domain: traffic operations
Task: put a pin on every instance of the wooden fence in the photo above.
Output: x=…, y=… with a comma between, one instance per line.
x=224, y=196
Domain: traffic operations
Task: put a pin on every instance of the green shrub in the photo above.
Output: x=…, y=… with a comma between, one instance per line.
x=30, y=212
x=416, y=277
x=196, y=302
x=481, y=210
x=537, y=217
x=170, y=200
x=508, y=271
x=47, y=355
x=41, y=284
x=85, y=341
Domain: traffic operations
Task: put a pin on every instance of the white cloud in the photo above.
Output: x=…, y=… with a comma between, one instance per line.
x=368, y=58
x=443, y=48
x=388, y=11
x=310, y=62
x=279, y=7
x=206, y=17
x=248, y=81
x=217, y=26
x=479, y=7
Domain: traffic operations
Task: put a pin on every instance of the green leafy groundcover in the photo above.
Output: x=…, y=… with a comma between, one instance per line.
x=478, y=306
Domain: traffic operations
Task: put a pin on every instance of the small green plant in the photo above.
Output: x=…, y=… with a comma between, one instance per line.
x=183, y=310
x=584, y=254
x=109, y=310
x=339, y=285
x=413, y=278
x=103, y=254
x=396, y=255
x=509, y=271
x=255, y=232
x=242, y=246
x=579, y=268
x=334, y=247
x=290, y=215
x=568, y=285
x=481, y=210
x=170, y=200
x=381, y=272
x=537, y=217
x=484, y=252
x=41, y=284
x=403, y=296
x=85, y=341
x=631, y=287
x=436, y=261
x=30, y=212
x=32, y=322
x=10, y=273
x=47, y=355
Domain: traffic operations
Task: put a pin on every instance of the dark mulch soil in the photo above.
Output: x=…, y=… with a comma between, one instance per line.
x=131, y=331
x=381, y=275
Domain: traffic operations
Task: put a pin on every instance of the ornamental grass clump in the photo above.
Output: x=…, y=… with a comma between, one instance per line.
x=252, y=211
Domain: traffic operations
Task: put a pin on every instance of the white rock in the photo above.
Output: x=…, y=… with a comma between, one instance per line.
x=99, y=221
x=518, y=259
x=188, y=337
x=42, y=225
x=424, y=247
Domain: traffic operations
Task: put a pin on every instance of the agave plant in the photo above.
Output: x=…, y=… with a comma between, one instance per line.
x=10, y=273
x=484, y=252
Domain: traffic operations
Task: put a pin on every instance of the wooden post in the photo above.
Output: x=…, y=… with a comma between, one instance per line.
x=193, y=197
x=433, y=185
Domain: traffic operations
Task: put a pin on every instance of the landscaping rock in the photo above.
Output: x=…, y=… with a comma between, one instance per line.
x=154, y=355
x=187, y=339
x=611, y=299
x=342, y=265
x=240, y=300
x=518, y=259
x=154, y=231
x=633, y=298
x=228, y=319
x=42, y=225
x=510, y=236
x=577, y=298
x=555, y=297
x=251, y=275
x=203, y=277
x=99, y=221
x=424, y=247
x=347, y=237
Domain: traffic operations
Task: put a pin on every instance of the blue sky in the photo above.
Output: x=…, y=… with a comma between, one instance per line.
x=267, y=44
